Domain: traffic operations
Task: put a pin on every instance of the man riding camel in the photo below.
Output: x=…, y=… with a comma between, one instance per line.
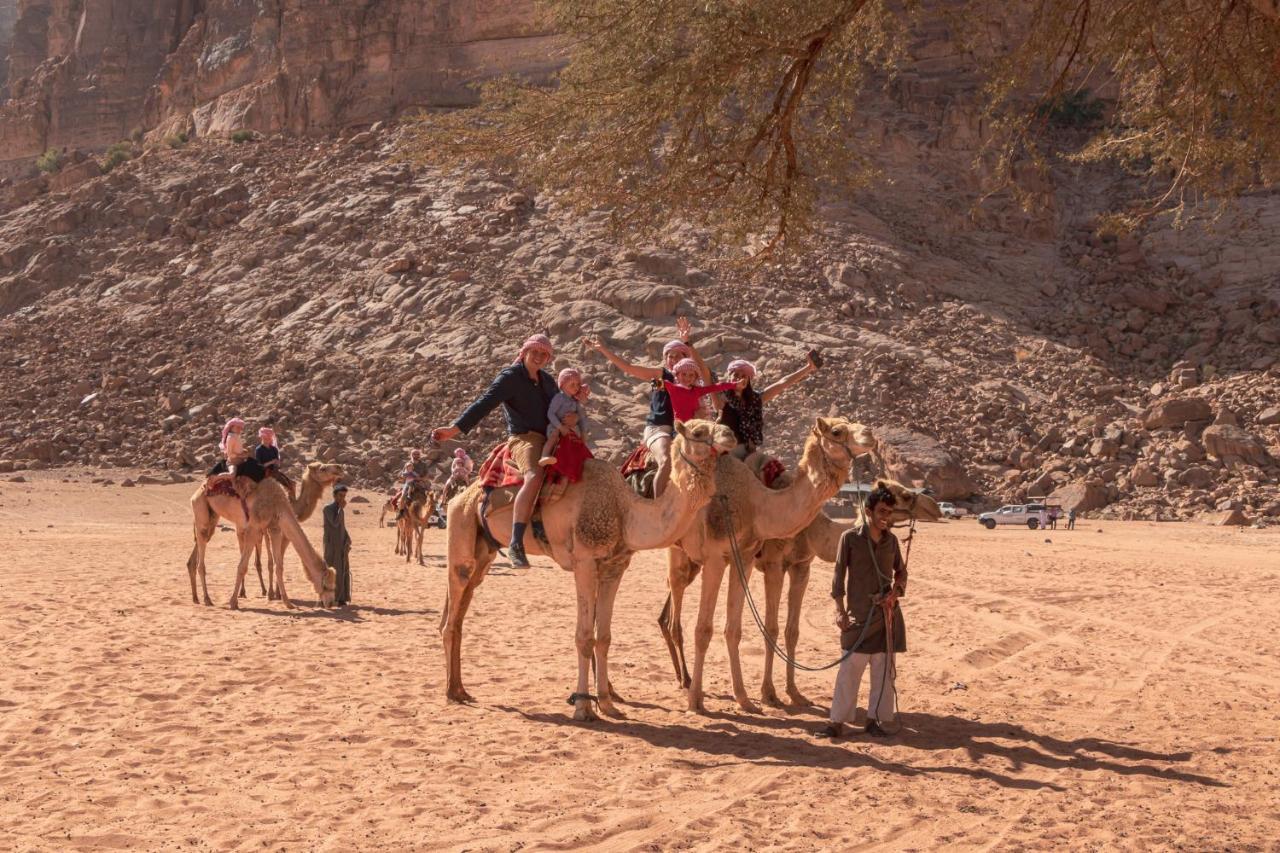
x=660, y=424
x=525, y=390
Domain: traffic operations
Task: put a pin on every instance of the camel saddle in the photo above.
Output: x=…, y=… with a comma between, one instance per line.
x=500, y=480
x=639, y=470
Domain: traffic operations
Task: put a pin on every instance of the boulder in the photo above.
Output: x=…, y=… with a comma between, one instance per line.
x=1176, y=411
x=642, y=301
x=1233, y=518
x=1269, y=416
x=918, y=460
x=1230, y=444
x=1081, y=496
x=1196, y=476
x=1143, y=475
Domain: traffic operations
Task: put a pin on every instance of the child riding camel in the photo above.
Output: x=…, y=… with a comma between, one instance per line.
x=686, y=393
x=567, y=413
x=233, y=452
x=660, y=424
x=525, y=391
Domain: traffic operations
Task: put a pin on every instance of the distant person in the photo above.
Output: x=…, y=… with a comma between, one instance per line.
x=337, y=544
x=1071, y=520
x=461, y=467
x=870, y=577
x=418, y=464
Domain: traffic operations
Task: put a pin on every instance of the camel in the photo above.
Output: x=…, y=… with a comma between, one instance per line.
x=754, y=514
x=207, y=509
x=791, y=558
x=593, y=530
x=412, y=523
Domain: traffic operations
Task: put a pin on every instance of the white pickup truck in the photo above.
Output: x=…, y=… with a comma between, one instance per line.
x=1028, y=515
x=950, y=510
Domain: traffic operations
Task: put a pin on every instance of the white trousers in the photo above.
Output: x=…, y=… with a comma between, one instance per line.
x=844, y=701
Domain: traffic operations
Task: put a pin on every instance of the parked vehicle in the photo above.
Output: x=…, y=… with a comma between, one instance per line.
x=950, y=510
x=1030, y=515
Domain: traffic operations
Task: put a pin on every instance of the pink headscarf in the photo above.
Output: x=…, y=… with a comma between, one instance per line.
x=685, y=364
x=567, y=374
x=534, y=342
x=743, y=365
x=676, y=345
x=226, y=430
x=267, y=436
x=460, y=453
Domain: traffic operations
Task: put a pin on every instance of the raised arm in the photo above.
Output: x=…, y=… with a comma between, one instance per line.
x=787, y=381
x=500, y=391
x=636, y=371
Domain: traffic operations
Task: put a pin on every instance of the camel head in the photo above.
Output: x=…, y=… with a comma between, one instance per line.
x=700, y=442
x=910, y=503
x=324, y=473
x=840, y=440
x=328, y=590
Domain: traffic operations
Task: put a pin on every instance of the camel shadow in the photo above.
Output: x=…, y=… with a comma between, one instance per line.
x=740, y=739
x=310, y=610
x=391, y=611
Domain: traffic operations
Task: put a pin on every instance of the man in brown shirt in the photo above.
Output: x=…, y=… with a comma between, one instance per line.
x=870, y=577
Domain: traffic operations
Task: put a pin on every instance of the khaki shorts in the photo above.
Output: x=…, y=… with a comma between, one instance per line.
x=525, y=449
x=653, y=433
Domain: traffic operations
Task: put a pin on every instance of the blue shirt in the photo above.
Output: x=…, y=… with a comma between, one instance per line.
x=524, y=401
x=660, y=411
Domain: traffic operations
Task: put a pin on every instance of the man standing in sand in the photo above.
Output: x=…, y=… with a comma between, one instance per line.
x=870, y=577
x=337, y=544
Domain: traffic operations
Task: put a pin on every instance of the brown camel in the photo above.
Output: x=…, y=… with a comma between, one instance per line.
x=207, y=509
x=754, y=514
x=593, y=530
x=791, y=558
x=412, y=523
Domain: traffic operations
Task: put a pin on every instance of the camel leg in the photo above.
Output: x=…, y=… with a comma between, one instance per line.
x=195, y=567
x=278, y=543
x=733, y=636
x=463, y=580
x=247, y=543
x=606, y=594
x=712, y=574
x=276, y=570
x=257, y=564
x=773, y=575
x=799, y=575
x=680, y=573
x=584, y=576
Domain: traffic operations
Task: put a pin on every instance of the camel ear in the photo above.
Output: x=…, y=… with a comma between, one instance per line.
x=822, y=425
x=682, y=429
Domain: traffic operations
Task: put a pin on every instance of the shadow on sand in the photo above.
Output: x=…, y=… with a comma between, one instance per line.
x=790, y=743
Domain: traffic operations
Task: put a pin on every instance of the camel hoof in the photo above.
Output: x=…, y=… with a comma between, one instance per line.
x=695, y=705
x=460, y=696
x=289, y=605
x=234, y=604
x=583, y=713
x=798, y=698
x=748, y=706
x=208, y=602
x=609, y=710
x=615, y=696
x=770, y=697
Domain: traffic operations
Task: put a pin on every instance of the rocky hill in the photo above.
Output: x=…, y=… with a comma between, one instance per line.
x=354, y=300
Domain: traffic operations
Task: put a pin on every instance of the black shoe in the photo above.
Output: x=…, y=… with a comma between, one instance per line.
x=873, y=729
x=830, y=730
x=516, y=552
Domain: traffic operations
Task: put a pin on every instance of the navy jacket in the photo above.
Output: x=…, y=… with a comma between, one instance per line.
x=524, y=401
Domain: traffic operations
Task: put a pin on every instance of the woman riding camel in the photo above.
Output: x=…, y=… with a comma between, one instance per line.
x=525, y=391
x=232, y=447
x=742, y=409
x=660, y=424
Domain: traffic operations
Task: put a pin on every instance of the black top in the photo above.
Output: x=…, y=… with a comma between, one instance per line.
x=744, y=414
x=660, y=411
x=524, y=401
x=252, y=469
x=266, y=454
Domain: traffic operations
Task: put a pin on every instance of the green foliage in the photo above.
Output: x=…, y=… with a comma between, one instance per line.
x=50, y=161
x=176, y=140
x=116, y=155
x=243, y=136
x=1076, y=109
x=736, y=114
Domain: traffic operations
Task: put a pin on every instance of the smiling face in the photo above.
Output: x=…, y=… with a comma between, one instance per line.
x=537, y=358
x=687, y=377
x=882, y=516
x=673, y=357
x=572, y=386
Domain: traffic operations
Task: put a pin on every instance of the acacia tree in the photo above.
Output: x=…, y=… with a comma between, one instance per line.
x=736, y=114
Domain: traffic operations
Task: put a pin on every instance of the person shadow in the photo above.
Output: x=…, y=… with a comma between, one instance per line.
x=789, y=742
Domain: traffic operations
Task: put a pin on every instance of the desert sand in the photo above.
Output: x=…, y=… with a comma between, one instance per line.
x=1115, y=686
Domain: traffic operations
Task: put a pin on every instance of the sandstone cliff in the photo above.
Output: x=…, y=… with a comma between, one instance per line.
x=88, y=73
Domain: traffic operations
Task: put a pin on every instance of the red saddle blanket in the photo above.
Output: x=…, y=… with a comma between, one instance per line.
x=571, y=454
x=637, y=461
x=225, y=486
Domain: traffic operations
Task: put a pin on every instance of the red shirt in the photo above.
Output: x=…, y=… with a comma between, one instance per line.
x=684, y=401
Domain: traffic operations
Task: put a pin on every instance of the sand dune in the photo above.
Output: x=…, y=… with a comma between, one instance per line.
x=1115, y=687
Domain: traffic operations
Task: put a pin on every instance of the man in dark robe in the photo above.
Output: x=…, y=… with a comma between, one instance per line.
x=870, y=577
x=337, y=544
